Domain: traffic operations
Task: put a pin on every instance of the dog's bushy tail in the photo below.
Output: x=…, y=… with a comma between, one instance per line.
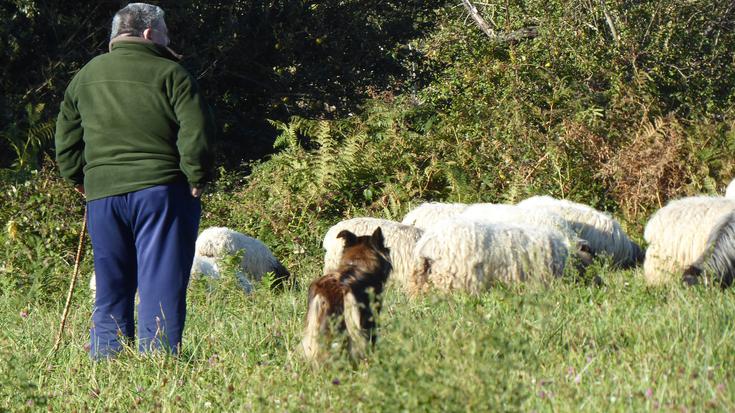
x=316, y=323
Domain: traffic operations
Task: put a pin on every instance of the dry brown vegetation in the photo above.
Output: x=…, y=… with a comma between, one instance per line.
x=651, y=168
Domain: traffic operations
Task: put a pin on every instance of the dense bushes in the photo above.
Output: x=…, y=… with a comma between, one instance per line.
x=573, y=113
x=255, y=59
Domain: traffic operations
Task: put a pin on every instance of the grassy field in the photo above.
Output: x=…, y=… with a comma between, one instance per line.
x=565, y=347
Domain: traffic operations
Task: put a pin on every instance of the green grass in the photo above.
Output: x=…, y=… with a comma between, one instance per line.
x=568, y=347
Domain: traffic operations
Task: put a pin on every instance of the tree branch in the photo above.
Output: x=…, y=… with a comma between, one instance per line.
x=515, y=36
x=609, y=21
x=481, y=23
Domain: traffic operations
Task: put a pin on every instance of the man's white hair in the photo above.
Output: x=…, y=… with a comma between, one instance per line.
x=134, y=18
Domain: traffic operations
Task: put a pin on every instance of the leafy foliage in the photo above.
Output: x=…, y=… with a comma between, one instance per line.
x=28, y=141
x=254, y=59
x=38, y=244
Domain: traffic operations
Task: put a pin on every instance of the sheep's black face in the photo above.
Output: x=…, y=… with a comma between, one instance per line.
x=692, y=275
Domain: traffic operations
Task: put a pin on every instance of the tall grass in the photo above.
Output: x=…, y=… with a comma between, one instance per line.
x=568, y=347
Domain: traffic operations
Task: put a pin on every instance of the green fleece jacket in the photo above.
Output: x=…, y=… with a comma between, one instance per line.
x=131, y=119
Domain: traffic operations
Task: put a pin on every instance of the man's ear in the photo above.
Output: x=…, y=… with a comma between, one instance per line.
x=350, y=238
x=148, y=34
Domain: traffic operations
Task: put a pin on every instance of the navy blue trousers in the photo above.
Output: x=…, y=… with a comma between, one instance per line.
x=144, y=241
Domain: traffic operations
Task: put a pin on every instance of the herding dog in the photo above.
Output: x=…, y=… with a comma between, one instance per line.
x=348, y=296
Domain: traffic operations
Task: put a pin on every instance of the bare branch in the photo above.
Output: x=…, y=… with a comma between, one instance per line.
x=609, y=21
x=481, y=23
x=515, y=36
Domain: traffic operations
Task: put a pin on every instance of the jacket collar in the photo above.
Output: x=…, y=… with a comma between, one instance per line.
x=158, y=49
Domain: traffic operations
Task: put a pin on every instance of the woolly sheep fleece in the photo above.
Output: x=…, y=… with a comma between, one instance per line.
x=466, y=255
x=429, y=213
x=219, y=242
x=677, y=235
x=513, y=214
x=601, y=231
x=207, y=266
x=93, y=287
x=399, y=239
x=200, y=266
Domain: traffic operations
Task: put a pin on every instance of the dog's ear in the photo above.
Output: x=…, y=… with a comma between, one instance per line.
x=377, y=239
x=350, y=238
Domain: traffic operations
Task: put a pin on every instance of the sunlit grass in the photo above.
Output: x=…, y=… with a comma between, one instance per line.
x=568, y=347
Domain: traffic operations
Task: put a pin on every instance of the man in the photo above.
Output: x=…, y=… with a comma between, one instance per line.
x=135, y=136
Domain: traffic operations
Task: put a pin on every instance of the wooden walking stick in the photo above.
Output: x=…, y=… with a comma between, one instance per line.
x=72, y=284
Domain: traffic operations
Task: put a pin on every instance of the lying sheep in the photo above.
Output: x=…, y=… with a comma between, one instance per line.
x=205, y=266
x=467, y=255
x=429, y=213
x=603, y=233
x=513, y=214
x=208, y=266
x=257, y=260
x=688, y=232
x=399, y=239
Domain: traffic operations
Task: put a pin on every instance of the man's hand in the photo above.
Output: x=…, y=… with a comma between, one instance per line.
x=196, y=192
x=80, y=189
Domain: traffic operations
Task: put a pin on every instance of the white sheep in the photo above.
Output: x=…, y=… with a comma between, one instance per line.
x=680, y=234
x=730, y=191
x=468, y=255
x=429, y=213
x=216, y=243
x=208, y=266
x=399, y=239
x=513, y=214
x=93, y=288
x=603, y=233
x=205, y=266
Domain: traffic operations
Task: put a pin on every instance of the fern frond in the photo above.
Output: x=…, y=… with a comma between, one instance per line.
x=289, y=132
x=327, y=157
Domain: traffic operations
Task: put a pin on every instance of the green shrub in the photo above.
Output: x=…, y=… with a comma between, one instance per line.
x=39, y=241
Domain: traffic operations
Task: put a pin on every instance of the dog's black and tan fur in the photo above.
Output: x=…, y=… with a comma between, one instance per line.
x=348, y=296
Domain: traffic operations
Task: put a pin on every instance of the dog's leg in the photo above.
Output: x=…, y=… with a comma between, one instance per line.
x=357, y=337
